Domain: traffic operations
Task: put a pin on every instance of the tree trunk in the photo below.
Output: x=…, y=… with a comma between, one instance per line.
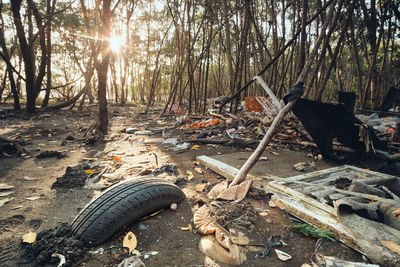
x=27, y=55
x=102, y=69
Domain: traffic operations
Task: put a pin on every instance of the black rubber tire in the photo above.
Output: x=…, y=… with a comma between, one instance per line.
x=123, y=204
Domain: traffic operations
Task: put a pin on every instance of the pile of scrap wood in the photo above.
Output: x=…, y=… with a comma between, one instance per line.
x=325, y=199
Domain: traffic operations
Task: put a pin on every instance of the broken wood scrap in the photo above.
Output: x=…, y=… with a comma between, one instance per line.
x=345, y=192
x=236, y=142
x=335, y=147
x=264, y=121
x=323, y=216
x=395, y=156
x=207, y=141
x=9, y=147
x=218, y=116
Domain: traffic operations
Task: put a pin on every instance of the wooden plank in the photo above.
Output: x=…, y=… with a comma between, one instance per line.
x=220, y=167
x=296, y=196
x=356, y=194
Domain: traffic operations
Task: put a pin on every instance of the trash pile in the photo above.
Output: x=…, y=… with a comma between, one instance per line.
x=385, y=125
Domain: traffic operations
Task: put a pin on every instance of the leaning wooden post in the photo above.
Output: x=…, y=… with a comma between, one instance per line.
x=252, y=160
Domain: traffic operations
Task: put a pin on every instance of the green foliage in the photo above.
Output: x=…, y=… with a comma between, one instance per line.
x=310, y=230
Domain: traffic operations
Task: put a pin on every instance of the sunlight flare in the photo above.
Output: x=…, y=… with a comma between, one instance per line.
x=115, y=43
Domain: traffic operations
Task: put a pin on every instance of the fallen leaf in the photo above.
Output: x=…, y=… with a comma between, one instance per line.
x=196, y=147
x=200, y=187
x=198, y=170
x=145, y=172
x=272, y=203
x=391, y=245
x=5, y=200
x=4, y=194
x=187, y=228
x=32, y=198
x=6, y=186
x=283, y=256
x=116, y=159
x=27, y=178
x=190, y=175
x=130, y=241
x=89, y=171
x=29, y=237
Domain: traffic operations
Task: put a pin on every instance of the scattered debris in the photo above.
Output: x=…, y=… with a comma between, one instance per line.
x=322, y=260
x=5, y=200
x=190, y=175
x=234, y=193
x=273, y=241
x=203, y=124
x=300, y=166
x=27, y=178
x=57, y=240
x=6, y=186
x=168, y=168
x=133, y=261
x=144, y=132
x=173, y=206
x=187, y=228
x=294, y=195
x=32, y=198
x=10, y=147
x=283, y=256
x=73, y=177
x=7, y=193
x=210, y=246
x=50, y=154
x=200, y=187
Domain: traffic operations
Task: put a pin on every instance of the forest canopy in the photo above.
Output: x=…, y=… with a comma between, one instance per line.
x=184, y=52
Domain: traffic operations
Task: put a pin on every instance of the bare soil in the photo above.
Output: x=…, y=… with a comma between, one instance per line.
x=45, y=195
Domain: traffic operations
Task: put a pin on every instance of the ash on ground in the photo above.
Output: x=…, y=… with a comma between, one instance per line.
x=58, y=240
x=73, y=177
x=168, y=168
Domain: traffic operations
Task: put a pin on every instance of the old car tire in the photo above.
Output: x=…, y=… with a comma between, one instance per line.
x=123, y=204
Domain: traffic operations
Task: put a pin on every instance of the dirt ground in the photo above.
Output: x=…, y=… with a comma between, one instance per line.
x=36, y=205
